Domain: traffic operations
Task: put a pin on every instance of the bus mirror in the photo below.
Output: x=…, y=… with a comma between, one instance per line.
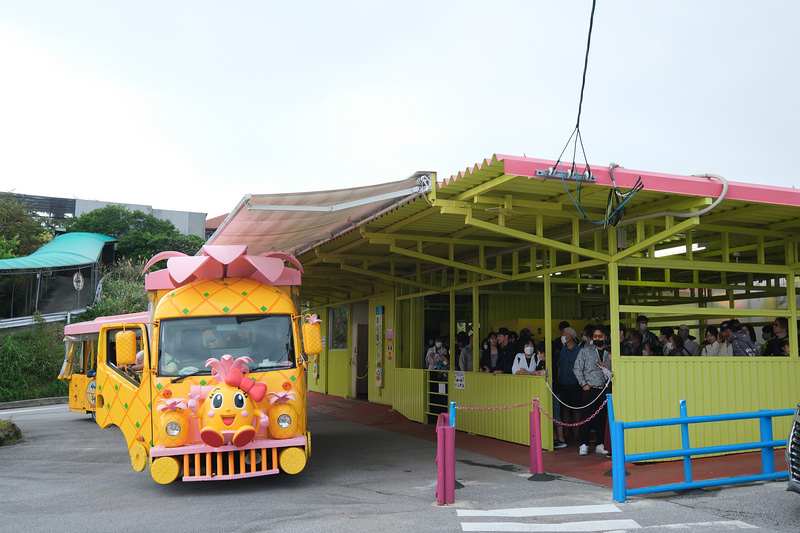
x=312, y=336
x=126, y=347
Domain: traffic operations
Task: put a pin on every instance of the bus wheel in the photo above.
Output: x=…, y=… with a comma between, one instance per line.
x=293, y=460
x=138, y=457
x=165, y=470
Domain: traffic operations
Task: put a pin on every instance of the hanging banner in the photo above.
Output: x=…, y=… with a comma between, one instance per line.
x=379, y=346
x=390, y=345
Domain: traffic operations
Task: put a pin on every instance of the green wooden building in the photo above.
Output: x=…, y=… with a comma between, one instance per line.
x=519, y=242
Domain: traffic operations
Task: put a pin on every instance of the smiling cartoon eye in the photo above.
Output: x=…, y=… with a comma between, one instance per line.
x=216, y=401
x=238, y=400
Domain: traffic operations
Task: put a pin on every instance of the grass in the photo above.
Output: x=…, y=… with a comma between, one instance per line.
x=9, y=432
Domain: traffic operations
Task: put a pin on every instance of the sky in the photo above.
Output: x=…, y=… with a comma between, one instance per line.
x=190, y=105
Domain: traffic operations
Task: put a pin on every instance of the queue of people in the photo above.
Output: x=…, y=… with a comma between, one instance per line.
x=582, y=368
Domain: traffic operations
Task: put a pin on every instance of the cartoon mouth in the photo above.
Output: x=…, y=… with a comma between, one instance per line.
x=228, y=420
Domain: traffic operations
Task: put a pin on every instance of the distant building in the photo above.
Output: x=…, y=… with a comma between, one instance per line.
x=58, y=210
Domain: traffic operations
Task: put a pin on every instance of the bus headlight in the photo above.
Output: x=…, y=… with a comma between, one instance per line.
x=173, y=428
x=284, y=421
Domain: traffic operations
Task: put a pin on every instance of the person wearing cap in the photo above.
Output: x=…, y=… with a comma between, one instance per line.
x=647, y=335
x=692, y=348
x=725, y=347
x=503, y=346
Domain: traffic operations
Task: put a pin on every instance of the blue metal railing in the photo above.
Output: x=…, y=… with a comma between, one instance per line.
x=766, y=445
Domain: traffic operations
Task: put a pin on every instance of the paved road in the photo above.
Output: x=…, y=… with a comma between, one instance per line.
x=69, y=475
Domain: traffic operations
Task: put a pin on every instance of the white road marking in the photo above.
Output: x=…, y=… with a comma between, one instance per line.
x=594, y=525
x=543, y=511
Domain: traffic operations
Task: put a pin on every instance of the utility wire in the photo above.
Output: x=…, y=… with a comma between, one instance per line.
x=616, y=198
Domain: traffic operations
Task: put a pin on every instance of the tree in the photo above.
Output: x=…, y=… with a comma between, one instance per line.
x=139, y=235
x=21, y=230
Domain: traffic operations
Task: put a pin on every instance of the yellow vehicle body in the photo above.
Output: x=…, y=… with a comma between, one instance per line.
x=202, y=334
x=80, y=359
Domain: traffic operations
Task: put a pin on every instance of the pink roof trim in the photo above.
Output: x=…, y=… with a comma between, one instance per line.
x=94, y=326
x=653, y=181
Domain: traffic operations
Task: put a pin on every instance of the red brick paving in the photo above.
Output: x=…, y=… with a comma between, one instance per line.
x=592, y=468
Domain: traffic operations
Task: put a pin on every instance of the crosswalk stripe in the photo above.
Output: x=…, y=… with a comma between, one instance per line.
x=543, y=511
x=717, y=525
x=594, y=525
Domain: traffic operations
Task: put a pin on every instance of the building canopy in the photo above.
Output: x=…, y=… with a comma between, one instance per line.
x=508, y=219
x=63, y=252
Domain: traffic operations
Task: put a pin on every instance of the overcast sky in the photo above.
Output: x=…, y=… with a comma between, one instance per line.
x=189, y=105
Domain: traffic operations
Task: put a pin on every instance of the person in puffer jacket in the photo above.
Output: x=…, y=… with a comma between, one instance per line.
x=741, y=343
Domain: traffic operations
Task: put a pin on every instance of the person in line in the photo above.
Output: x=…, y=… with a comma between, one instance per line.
x=490, y=355
x=677, y=348
x=593, y=372
x=465, y=358
x=648, y=348
x=626, y=347
x=781, y=329
x=435, y=354
x=506, y=352
x=570, y=392
x=767, y=334
x=785, y=348
x=647, y=335
x=751, y=332
x=636, y=341
x=712, y=345
x=665, y=334
x=692, y=347
x=529, y=362
x=725, y=347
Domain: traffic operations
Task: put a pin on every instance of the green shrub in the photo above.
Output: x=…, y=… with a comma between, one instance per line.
x=30, y=362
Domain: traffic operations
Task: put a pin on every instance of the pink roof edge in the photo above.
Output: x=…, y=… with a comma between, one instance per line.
x=653, y=181
x=93, y=326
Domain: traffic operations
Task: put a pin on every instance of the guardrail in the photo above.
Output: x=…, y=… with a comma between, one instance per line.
x=619, y=457
x=22, y=321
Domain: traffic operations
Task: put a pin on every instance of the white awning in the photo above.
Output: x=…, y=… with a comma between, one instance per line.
x=296, y=221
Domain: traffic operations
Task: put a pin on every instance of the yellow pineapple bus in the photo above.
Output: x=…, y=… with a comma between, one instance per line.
x=221, y=389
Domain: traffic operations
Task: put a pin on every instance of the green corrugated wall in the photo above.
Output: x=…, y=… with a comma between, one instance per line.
x=710, y=385
x=488, y=390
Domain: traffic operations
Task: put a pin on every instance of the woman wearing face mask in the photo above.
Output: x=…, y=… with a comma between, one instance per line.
x=531, y=362
x=676, y=346
x=593, y=372
x=435, y=354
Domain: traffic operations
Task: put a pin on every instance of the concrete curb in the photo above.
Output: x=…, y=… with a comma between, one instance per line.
x=35, y=402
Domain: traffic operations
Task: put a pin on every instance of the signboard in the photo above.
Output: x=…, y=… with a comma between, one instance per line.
x=459, y=380
x=379, y=346
x=77, y=281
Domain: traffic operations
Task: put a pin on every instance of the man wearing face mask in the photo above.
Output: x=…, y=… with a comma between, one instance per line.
x=593, y=370
x=647, y=335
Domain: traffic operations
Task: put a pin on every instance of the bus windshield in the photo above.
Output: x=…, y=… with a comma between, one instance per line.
x=185, y=344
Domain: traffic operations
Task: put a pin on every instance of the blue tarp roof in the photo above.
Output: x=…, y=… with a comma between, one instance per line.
x=70, y=249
